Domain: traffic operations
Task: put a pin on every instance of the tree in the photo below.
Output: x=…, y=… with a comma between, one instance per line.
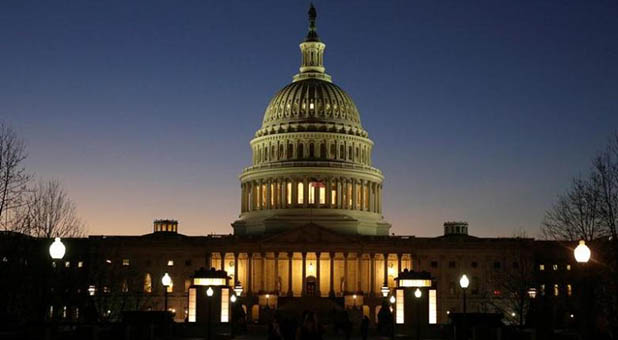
x=51, y=213
x=13, y=178
x=589, y=211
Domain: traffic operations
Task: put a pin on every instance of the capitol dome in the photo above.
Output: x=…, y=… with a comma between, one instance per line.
x=311, y=159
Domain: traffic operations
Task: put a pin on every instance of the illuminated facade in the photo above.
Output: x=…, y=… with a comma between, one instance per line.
x=310, y=227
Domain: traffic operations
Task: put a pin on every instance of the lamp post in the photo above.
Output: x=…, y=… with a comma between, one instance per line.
x=209, y=293
x=385, y=290
x=417, y=295
x=166, y=280
x=56, y=252
x=464, y=283
x=582, y=255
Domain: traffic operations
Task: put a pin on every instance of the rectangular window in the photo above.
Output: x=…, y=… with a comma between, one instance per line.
x=125, y=262
x=555, y=267
x=556, y=290
x=333, y=194
x=80, y=264
x=288, y=193
x=568, y=267
x=312, y=192
x=433, y=309
x=322, y=193
x=263, y=190
x=273, y=194
x=225, y=304
x=399, y=306
x=170, y=263
x=67, y=264
x=192, y=300
x=541, y=267
x=569, y=290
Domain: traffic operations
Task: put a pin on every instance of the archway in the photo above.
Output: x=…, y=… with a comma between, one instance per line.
x=311, y=286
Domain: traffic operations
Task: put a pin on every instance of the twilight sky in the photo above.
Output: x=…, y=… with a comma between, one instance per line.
x=145, y=110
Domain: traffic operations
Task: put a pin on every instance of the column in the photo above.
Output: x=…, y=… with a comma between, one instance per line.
x=362, y=195
x=331, y=256
x=328, y=193
x=345, y=274
x=339, y=193
x=294, y=193
x=277, y=273
x=290, y=290
x=386, y=269
x=354, y=203
x=249, y=273
x=235, y=268
x=317, y=274
x=304, y=273
x=268, y=193
x=372, y=271
x=263, y=270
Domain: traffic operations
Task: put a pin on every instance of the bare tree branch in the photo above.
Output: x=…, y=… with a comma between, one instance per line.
x=13, y=177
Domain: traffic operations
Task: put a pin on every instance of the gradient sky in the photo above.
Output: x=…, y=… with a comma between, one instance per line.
x=145, y=110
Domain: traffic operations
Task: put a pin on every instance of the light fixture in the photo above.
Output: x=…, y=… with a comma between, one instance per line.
x=166, y=280
x=238, y=288
x=513, y=314
x=57, y=249
x=233, y=298
x=532, y=293
x=354, y=296
x=582, y=252
x=392, y=299
x=209, y=291
x=417, y=293
x=464, y=282
x=385, y=290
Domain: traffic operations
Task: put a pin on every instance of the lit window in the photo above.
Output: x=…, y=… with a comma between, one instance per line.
x=125, y=262
x=399, y=306
x=108, y=261
x=288, y=193
x=556, y=290
x=64, y=312
x=433, y=309
x=147, y=283
x=192, y=303
x=67, y=264
x=125, y=286
x=569, y=289
x=92, y=290
x=106, y=289
x=333, y=194
x=541, y=267
x=170, y=263
x=225, y=304
x=80, y=264
x=311, y=106
x=301, y=189
x=76, y=313
x=554, y=267
x=568, y=267
x=543, y=289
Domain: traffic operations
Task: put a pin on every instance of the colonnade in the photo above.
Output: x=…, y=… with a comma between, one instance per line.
x=331, y=273
x=281, y=150
x=302, y=192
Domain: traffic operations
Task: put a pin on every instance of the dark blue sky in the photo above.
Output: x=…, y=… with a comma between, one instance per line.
x=480, y=111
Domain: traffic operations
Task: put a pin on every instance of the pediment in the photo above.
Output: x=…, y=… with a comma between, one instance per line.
x=309, y=234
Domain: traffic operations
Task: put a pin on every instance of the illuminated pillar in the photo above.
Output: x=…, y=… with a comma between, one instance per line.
x=290, y=290
x=328, y=193
x=317, y=274
x=339, y=193
x=354, y=203
x=345, y=274
x=362, y=195
x=276, y=273
x=372, y=271
x=305, y=192
x=249, y=272
x=332, y=273
x=294, y=193
x=304, y=273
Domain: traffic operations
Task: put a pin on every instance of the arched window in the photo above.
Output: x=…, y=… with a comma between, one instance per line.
x=265, y=156
x=350, y=153
x=280, y=155
x=323, y=151
x=272, y=152
x=258, y=155
x=333, y=193
x=333, y=151
x=301, y=193
x=317, y=189
x=290, y=151
x=288, y=193
x=342, y=152
x=311, y=150
x=147, y=283
x=300, y=152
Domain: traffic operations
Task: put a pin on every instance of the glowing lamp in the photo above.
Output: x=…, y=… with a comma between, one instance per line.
x=582, y=252
x=418, y=293
x=464, y=282
x=385, y=290
x=238, y=288
x=209, y=291
x=57, y=249
x=166, y=280
x=392, y=299
x=233, y=298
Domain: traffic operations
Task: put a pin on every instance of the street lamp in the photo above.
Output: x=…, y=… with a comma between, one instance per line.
x=238, y=288
x=57, y=249
x=209, y=293
x=233, y=298
x=464, y=283
x=385, y=290
x=166, y=280
x=582, y=252
x=417, y=295
x=392, y=300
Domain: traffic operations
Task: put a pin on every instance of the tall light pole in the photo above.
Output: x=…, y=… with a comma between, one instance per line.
x=417, y=295
x=56, y=252
x=464, y=282
x=166, y=280
x=582, y=255
x=209, y=293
